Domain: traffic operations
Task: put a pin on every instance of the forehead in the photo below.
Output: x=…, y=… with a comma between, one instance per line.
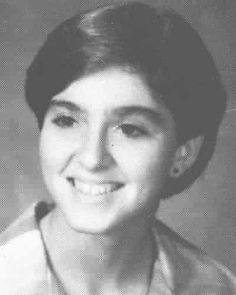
x=109, y=91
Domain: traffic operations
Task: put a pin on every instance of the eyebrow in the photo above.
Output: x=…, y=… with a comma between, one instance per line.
x=65, y=104
x=124, y=111
x=152, y=115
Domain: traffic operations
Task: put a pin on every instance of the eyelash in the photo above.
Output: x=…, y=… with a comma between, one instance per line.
x=133, y=131
x=64, y=121
x=129, y=130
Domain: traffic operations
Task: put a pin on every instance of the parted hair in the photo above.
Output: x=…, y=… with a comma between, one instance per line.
x=155, y=43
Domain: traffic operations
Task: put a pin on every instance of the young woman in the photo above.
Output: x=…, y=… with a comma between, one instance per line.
x=128, y=101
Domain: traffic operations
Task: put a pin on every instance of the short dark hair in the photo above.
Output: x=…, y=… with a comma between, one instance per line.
x=159, y=45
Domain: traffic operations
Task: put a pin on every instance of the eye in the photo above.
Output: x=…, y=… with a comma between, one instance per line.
x=64, y=121
x=131, y=130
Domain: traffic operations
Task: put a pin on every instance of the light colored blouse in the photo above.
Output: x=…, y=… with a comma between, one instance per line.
x=180, y=268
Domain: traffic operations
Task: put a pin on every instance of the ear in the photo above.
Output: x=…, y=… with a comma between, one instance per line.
x=185, y=156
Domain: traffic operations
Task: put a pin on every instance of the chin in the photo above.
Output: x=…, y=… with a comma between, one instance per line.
x=83, y=221
x=93, y=228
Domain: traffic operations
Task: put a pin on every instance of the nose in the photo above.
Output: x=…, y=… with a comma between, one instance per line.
x=94, y=153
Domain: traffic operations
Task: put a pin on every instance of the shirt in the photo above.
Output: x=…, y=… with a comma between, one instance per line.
x=179, y=269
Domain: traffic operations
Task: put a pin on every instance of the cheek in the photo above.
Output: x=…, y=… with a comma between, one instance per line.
x=148, y=163
x=58, y=146
x=54, y=151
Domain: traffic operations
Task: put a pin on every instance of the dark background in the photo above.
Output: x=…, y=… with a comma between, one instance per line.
x=205, y=214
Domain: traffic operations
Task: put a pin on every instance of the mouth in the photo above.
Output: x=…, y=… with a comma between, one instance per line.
x=94, y=189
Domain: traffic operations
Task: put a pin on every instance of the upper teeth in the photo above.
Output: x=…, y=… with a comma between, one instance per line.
x=94, y=189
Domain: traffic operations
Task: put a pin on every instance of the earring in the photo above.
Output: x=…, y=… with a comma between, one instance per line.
x=175, y=172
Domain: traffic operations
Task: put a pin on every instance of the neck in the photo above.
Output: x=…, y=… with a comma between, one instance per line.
x=103, y=260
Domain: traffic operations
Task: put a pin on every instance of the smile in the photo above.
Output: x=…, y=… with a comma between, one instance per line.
x=94, y=189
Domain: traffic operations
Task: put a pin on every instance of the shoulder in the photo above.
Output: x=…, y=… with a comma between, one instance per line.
x=191, y=270
x=22, y=262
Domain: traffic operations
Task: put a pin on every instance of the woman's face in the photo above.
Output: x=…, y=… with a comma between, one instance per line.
x=106, y=148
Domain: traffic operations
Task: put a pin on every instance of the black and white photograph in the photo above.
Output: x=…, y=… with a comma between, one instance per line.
x=118, y=147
